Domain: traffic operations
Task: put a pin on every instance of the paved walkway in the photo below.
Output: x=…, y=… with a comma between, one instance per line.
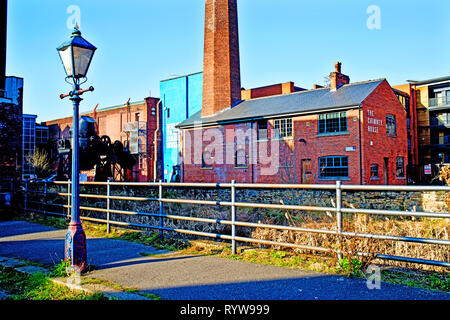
x=183, y=277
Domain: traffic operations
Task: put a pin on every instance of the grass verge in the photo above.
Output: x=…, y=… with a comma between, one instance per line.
x=23, y=286
x=348, y=266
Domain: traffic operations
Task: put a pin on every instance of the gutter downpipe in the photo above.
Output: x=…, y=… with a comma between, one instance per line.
x=360, y=146
x=155, y=142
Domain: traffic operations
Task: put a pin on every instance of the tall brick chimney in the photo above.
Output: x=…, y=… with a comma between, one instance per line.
x=221, y=64
x=337, y=78
x=3, y=19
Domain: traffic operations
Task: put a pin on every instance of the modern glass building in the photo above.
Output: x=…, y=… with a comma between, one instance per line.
x=28, y=144
x=181, y=97
x=33, y=136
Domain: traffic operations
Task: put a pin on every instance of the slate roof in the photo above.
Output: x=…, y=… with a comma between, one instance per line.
x=311, y=101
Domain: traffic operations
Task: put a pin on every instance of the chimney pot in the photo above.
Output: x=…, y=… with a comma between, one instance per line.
x=337, y=79
x=338, y=66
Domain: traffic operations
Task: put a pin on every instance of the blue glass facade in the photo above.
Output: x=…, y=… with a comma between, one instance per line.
x=180, y=98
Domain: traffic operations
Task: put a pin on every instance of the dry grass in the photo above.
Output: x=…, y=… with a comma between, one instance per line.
x=418, y=228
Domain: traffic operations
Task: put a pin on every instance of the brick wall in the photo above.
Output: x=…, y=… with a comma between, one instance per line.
x=111, y=122
x=152, y=126
x=10, y=141
x=272, y=90
x=377, y=144
x=285, y=159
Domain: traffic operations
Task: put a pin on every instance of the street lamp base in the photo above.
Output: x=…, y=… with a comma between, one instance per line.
x=75, y=247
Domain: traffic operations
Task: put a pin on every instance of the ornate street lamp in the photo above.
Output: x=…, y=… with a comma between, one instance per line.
x=76, y=56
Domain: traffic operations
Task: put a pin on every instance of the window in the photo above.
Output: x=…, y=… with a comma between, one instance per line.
x=332, y=167
x=206, y=159
x=28, y=143
x=404, y=101
x=283, y=128
x=262, y=130
x=374, y=171
x=241, y=158
x=400, y=167
x=440, y=119
x=391, y=127
x=333, y=122
x=41, y=135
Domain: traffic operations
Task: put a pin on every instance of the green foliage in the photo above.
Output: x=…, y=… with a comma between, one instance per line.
x=418, y=278
x=438, y=283
x=276, y=216
x=12, y=281
x=351, y=266
x=150, y=296
x=22, y=286
x=279, y=254
x=153, y=239
x=61, y=269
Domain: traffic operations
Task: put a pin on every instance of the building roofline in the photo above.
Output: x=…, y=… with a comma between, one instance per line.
x=7, y=77
x=324, y=88
x=99, y=110
x=183, y=76
x=422, y=82
x=117, y=106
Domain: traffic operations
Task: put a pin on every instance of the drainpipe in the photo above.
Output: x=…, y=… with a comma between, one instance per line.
x=360, y=146
x=95, y=118
x=128, y=110
x=252, y=148
x=155, y=142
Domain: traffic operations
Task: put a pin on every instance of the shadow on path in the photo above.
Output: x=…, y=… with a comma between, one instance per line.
x=324, y=287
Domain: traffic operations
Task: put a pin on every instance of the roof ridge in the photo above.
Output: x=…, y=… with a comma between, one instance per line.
x=365, y=81
x=309, y=90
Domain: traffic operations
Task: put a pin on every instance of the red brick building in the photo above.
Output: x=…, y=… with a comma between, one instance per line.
x=135, y=125
x=355, y=133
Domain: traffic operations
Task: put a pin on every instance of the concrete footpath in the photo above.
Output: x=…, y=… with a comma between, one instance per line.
x=173, y=276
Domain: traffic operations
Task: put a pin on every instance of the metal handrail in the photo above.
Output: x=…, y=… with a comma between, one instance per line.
x=438, y=102
x=338, y=210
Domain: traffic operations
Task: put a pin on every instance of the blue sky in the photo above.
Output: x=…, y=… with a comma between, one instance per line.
x=141, y=42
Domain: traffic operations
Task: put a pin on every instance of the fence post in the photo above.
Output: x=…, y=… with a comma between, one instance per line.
x=233, y=217
x=161, y=211
x=26, y=196
x=45, y=199
x=339, y=218
x=108, y=193
x=68, y=198
x=13, y=192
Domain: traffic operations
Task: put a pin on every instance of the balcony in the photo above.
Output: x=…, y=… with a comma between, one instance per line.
x=439, y=103
x=440, y=142
x=440, y=123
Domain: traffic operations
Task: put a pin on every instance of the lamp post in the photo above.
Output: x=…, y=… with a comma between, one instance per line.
x=76, y=56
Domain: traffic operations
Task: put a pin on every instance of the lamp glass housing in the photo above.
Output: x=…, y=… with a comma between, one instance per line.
x=76, y=55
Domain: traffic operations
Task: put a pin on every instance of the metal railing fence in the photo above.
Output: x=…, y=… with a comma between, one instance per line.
x=338, y=210
x=439, y=102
